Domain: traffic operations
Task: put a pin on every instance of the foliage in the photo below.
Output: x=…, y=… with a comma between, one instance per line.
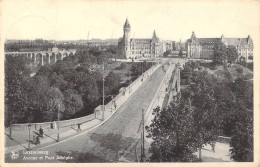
x=166, y=53
x=242, y=138
x=73, y=103
x=138, y=68
x=121, y=67
x=172, y=131
x=16, y=101
x=207, y=120
x=221, y=107
x=224, y=54
x=112, y=82
x=68, y=86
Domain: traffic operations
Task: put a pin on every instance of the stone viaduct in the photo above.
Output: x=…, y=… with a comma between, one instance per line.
x=44, y=57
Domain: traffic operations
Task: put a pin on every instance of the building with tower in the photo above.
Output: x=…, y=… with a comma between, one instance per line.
x=204, y=47
x=138, y=48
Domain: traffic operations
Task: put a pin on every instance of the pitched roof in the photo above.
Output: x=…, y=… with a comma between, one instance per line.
x=236, y=41
x=140, y=40
x=208, y=40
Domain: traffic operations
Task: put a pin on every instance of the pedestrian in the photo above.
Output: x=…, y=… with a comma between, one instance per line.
x=79, y=129
x=41, y=132
x=37, y=140
x=115, y=104
x=213, y=146
x=34, y=139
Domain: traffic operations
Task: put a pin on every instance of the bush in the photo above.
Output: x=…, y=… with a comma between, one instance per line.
x=250, y=57
x=240, y=70
x=123, y=66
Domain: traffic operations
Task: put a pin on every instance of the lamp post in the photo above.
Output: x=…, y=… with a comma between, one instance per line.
x=29, y=142
x=112, y=99
x=58, y=137
x=142, y=138
x=103, y=106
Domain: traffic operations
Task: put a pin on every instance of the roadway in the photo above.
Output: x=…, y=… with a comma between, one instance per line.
x=112, y=139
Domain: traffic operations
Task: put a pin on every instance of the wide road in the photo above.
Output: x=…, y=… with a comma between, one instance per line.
x=108, y=141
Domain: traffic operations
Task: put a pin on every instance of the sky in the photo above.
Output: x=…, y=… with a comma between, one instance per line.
x=172, y=20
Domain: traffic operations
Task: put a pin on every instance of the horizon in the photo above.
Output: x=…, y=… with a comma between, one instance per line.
x=172, y=20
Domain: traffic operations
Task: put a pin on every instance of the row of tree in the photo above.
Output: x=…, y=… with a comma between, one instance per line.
x=208, y=108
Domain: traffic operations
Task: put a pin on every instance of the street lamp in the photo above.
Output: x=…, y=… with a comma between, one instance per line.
x=29, y=142
x=103, y=107
x=112, y=99
x=58, y=137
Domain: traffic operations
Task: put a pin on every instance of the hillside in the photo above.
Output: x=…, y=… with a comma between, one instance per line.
x=236, y=70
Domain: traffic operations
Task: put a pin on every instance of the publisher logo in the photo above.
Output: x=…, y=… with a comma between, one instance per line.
x=14, y=154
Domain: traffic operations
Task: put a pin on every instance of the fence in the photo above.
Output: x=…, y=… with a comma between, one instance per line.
x=110, y=107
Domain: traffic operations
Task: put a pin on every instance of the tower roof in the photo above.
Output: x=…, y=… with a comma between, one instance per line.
x=193, y=35
x=127, y=25
x=155, y=36
x=249, y=39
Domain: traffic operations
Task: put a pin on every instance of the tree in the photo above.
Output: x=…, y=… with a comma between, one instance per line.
x=45, y=71
x=54, y=103
x=224, y=54
x=73, y=103
x=166, y=53
x=17, y=74
x=58, y=81
x=172, y=131
x=219, y=53
x=37, y=89
x=207, y=120
x=242, y=139
x=231, y=54
x=112, y=83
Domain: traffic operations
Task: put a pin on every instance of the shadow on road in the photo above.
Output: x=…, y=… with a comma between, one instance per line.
x=16, y=141
x=108, y=148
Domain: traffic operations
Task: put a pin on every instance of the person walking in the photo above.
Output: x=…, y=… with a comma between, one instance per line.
x=41, y=132
x=79, y=129
x=37, y=140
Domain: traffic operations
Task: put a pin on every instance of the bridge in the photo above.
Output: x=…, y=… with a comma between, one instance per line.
x=44, y=57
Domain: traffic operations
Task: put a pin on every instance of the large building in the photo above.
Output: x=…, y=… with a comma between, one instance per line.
x=204, y=47
x=139, y=48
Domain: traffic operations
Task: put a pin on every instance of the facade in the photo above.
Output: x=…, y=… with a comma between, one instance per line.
x=138, y=48
x=204, y=47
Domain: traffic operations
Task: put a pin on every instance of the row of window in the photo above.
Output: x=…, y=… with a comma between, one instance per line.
x=141, y=47
x=138, y=52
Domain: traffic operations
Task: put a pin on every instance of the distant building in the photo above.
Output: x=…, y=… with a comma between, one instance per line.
x=138, y=48
x=167, y=45
x=204, y=47
x=179, y=45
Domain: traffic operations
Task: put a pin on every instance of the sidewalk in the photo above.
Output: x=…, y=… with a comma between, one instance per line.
x=20, y=139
